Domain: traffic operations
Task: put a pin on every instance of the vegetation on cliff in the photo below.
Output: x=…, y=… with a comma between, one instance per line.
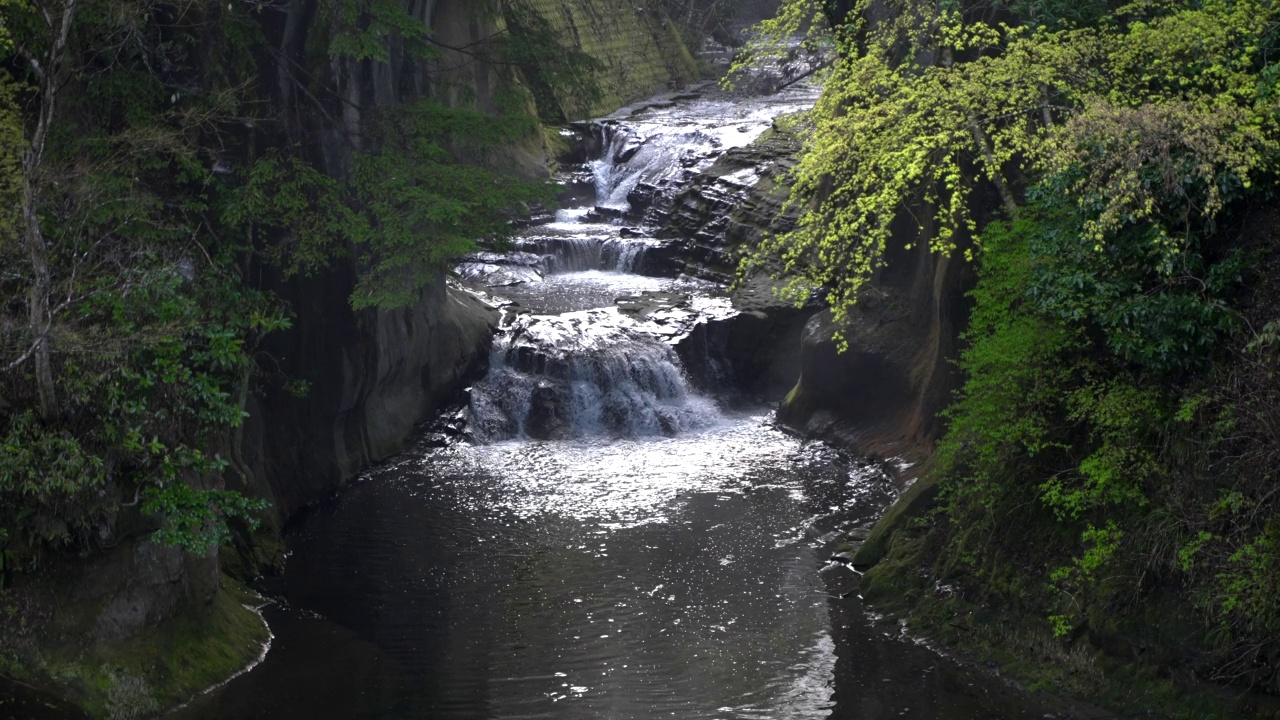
x=140, y=216
x=1109, y=168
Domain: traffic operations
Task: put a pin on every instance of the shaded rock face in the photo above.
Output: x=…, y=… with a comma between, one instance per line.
x=883, y=395
x=753, y=353
x=372, y=376
x=144, y=585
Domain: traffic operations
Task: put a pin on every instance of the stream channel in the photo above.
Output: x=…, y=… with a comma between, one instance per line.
x=592, y=536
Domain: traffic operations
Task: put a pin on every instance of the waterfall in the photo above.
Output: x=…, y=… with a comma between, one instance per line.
x=564, y=254
x=579, y=375
x=614, y=178
x=629, y=159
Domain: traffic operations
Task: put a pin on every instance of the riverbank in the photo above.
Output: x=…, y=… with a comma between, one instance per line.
x=139, y=676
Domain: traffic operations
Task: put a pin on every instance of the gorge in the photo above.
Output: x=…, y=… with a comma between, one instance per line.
x=598, y=533
x=382, y=359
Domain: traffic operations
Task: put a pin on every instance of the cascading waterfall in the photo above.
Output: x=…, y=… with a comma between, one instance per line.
x=579, y=375
x=580, y=254
x=600, y=372
x=629, y=158
x=590, y=373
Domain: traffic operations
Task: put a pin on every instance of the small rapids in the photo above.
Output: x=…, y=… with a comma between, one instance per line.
x=577, y=254
x=556, y=378
x=630, y=158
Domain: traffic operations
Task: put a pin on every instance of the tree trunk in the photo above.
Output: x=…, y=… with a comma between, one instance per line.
x=39, y=316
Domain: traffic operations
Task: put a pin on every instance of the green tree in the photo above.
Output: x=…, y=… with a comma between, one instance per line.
x=930, y=105
x=1112, y=433
x=136, y=328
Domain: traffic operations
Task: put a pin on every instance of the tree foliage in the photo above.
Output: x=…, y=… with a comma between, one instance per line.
x=408, y=207
x=145, y=324
x=928, y=107
x=136, y=208
x=1115, y=431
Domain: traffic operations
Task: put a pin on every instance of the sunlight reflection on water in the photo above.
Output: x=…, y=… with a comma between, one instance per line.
x=632, y=482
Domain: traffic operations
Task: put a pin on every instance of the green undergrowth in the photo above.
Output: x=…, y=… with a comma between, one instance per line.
x=168, y=665
x=1000, y=625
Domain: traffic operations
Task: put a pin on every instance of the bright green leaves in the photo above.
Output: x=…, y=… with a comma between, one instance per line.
x=1116, y=426
x=1157, y=124
x=774, y=38
x=894, y=140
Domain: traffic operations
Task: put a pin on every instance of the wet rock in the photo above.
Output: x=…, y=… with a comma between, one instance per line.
x=577, y=191
x=647, y=304
x=498, y=275
x=733, y=203
x=883, y=394
x=600, y=212
x=627, y=149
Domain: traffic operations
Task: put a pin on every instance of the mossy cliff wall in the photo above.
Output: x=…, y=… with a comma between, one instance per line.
x=638, y=45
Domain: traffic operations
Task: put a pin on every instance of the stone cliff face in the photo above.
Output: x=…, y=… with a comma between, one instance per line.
x=372, y=377
x=883, y=394
x=638, y=45
x=881, y=397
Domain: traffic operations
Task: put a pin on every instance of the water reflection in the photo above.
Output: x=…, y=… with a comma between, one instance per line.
x=673, y=577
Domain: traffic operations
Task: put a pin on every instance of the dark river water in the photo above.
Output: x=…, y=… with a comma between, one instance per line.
x=661, y=557
x=654, y=578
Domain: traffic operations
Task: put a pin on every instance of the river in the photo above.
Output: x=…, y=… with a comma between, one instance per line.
x=593, y=536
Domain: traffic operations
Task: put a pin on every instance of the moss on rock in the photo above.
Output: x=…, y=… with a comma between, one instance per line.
x=915, y=502
x=640, y=49
x=162, y=668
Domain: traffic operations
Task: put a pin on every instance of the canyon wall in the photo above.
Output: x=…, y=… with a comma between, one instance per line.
x=881, y=396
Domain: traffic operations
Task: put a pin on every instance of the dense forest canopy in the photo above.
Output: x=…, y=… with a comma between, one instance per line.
x=1111, y=169
x=142, y=208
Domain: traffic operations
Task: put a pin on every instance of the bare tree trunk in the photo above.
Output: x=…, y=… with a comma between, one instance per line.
x=984, y=144
x=39, y=315
x=1045, y=114
x=993, y=167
